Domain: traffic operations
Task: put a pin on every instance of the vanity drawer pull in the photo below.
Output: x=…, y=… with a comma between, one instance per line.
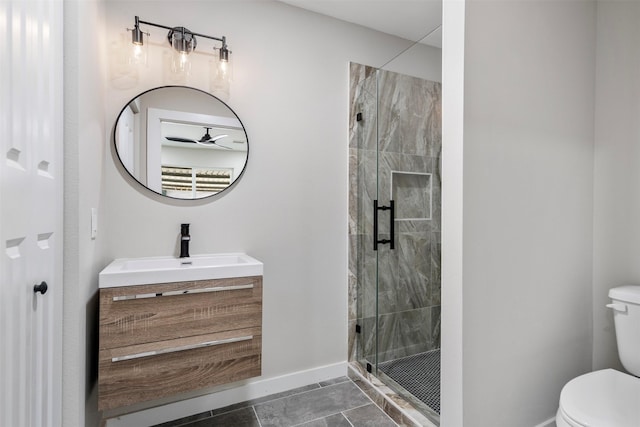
x=185, y=292
x=181, y=348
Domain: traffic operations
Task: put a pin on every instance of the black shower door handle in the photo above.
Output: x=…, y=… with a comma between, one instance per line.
x=391, y=240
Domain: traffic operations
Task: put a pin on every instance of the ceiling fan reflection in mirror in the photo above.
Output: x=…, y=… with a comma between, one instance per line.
x=206, y=139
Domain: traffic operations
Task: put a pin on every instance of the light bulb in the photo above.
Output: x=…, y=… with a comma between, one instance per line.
x=224, y=67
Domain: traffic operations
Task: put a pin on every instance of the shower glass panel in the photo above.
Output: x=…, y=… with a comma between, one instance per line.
x=395, y=161
x=363, y=192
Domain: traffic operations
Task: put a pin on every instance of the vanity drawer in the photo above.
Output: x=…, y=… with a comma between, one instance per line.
x=149, y=313
x=142, y=372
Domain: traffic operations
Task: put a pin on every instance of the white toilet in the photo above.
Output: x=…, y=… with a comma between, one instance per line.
x=609, y=398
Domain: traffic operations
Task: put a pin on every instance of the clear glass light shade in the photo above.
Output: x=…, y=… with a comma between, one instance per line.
x=183, y=43
x=123, y=74
x=139, y=54
x=220, y=76
x=180, y=63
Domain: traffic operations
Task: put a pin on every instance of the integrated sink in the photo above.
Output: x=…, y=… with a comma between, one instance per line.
x=139, y=271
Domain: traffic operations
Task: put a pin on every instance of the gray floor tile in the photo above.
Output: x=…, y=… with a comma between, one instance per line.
x=337, y=420
x=244, y=417
x=334, y=381
x=369, y=416
x=265, y=399
x=311, y=405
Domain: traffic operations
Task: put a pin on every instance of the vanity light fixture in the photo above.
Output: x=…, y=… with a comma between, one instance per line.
x=183, y=41
x=139, y=49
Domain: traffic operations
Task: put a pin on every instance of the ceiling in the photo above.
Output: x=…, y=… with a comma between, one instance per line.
x=415, y=20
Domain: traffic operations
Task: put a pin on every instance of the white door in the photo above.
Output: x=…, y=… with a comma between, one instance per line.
x=30, y=213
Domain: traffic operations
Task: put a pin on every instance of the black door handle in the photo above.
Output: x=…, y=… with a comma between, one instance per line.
x=392, y=239
x=42, y=288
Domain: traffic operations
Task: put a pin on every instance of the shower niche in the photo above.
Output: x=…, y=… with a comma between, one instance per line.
x=414, y=189
x=394, y=154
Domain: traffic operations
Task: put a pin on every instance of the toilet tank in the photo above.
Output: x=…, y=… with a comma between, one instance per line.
x=626, y=317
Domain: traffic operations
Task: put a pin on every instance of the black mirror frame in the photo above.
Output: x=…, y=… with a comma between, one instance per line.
x=115, y=143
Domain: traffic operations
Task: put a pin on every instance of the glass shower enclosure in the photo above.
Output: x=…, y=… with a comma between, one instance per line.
x=394, y=256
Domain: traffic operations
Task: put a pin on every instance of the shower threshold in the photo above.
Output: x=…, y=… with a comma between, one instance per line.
x=419, y=375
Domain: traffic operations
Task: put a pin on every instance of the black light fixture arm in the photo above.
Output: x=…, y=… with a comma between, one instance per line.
x=138, y=21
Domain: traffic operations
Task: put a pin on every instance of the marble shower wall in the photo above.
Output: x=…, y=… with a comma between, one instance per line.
x=401, y=116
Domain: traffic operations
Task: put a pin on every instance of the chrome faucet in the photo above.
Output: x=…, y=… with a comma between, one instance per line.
x=184, y=240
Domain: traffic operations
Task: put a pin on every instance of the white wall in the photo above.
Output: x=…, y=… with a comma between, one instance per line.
x=528, y=180
x=84, y=152
x=451, y=388
x=289, y=209
x=617, y=167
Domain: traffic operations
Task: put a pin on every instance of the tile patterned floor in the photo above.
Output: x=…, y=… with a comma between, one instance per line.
x=334, y=403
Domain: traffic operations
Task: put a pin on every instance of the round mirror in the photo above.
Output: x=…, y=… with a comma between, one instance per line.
x=181, y=142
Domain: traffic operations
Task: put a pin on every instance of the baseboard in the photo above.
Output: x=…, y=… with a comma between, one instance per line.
x=247, y=391
x=551, y=422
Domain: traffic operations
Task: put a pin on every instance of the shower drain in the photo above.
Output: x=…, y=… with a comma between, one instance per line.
x=419, y=375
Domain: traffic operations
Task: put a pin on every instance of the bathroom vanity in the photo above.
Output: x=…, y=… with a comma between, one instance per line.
x=169, y=326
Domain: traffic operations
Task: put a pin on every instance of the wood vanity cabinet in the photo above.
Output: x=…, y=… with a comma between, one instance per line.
x=159, y=340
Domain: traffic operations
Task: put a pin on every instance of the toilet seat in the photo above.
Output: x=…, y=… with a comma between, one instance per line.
x=606, y=398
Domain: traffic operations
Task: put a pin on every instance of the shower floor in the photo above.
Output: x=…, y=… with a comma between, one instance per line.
x=419, y=375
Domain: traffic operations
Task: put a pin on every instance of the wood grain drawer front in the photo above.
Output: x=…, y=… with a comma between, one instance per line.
x=175, y=366
x=149, y=313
